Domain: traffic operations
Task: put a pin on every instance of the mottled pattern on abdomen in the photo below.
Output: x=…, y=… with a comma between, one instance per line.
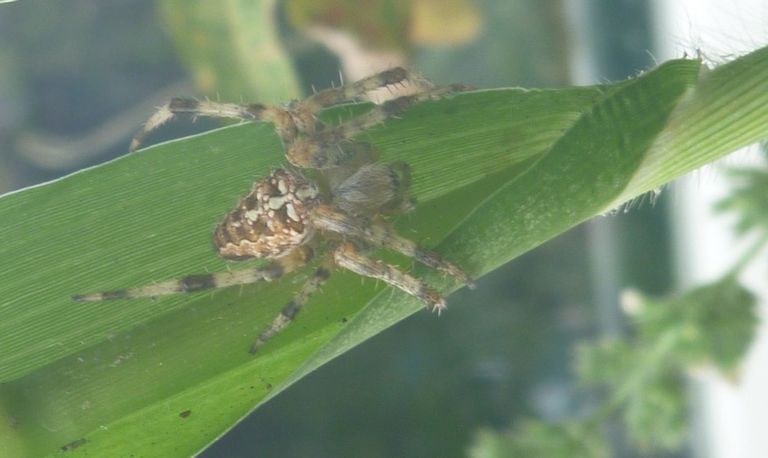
x=271, y=220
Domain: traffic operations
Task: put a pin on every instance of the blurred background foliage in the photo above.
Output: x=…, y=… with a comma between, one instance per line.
x=77, y=78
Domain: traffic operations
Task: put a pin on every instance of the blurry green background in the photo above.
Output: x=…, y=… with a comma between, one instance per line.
x=78, y=77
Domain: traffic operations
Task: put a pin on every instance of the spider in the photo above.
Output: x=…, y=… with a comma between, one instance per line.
x=334, y=196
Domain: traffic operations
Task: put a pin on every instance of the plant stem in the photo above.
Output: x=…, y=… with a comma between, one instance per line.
x=748, y=256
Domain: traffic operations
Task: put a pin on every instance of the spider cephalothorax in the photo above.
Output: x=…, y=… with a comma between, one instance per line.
x=286, y=215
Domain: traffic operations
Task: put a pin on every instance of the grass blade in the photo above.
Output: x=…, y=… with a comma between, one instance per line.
x=496, y=173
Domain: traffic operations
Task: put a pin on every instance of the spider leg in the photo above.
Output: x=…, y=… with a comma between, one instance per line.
x=357, y=90
x=333, y=147
x=293, y=307
x=191, y=283
x=349, y=257
x=377, y=233
x=389, y=109
x=207, y=108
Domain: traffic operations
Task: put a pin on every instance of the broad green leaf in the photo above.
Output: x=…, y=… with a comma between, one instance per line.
x=496, y=173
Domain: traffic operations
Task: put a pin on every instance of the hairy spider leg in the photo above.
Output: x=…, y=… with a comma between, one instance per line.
x=334, y=147
x=293, y=307
x=299, y=117
x=389, y=109
x=272, y=271
x=326, y=218
x=281, y=118
x=349, y=257
x=359, y=89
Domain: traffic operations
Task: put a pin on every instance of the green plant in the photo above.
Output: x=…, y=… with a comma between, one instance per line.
x=641, y=376
x=496, y=173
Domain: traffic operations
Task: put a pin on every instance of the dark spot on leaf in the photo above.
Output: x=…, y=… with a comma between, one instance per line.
x=196, y=282
x=73, y=445
x=185, y=413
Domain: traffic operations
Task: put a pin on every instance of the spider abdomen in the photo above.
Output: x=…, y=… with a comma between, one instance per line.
x=271, y=221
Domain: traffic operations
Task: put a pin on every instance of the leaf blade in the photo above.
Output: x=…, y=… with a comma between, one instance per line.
x=477, y=190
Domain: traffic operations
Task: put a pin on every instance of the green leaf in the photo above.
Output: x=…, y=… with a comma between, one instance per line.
x=538, y=439
x=656, y=412
x=496, y=173
x=644, y=381
x=606, y=362
x=644, y=376
x=717, y=323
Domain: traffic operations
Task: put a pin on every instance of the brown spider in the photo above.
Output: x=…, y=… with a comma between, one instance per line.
x=284, y=214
